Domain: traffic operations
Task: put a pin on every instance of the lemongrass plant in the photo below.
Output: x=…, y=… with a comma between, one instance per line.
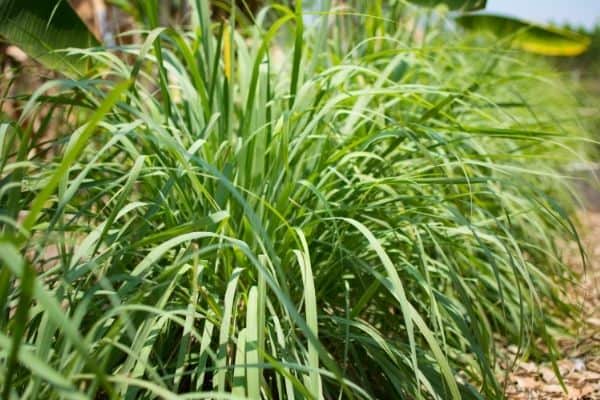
x=349, y=209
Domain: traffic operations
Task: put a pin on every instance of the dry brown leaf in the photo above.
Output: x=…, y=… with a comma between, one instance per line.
x=565, y=366
x=586, y=390
x=529, y=367
x=577, y=377
x=554, y=389
x=593, y=321
x=548, y=375
x=594, y=366
x=574, y=394
x=592, y=377
x=526, y=382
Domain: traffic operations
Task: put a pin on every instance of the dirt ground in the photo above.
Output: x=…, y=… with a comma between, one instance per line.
x=580, y=363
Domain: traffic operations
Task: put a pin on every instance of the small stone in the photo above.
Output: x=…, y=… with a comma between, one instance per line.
x=578, y=365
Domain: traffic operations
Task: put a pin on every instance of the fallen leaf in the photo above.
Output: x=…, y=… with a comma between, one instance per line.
x=594, y=366
x=553, y=389
x=528, y=367
x=591, y=376
x=586, y=390
x=565, y=366
x=593, y=321
x=574, y=394
x=548, y=375
x=526, y=382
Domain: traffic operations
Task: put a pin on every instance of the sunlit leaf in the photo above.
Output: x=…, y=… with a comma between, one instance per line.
x=534, y=38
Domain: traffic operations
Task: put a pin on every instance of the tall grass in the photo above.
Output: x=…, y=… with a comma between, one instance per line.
x=338, y=210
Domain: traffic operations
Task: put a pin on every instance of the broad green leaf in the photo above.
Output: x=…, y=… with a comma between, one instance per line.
x=531, y=37
x=310, y=304
x=224, y=333
x=463, y=5
x=253, y=328
x=239, y=384
x=41, y=28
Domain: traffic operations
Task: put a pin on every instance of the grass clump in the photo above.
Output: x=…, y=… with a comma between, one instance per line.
x=282, y=211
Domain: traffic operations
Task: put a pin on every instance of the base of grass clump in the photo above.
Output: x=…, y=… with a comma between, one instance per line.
x=353, y=224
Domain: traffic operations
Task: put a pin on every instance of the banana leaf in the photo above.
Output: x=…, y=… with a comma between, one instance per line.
x=462, y=5
x=41, y=27
x=531, y=37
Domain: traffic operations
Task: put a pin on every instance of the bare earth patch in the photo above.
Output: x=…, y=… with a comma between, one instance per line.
x=580, y=366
